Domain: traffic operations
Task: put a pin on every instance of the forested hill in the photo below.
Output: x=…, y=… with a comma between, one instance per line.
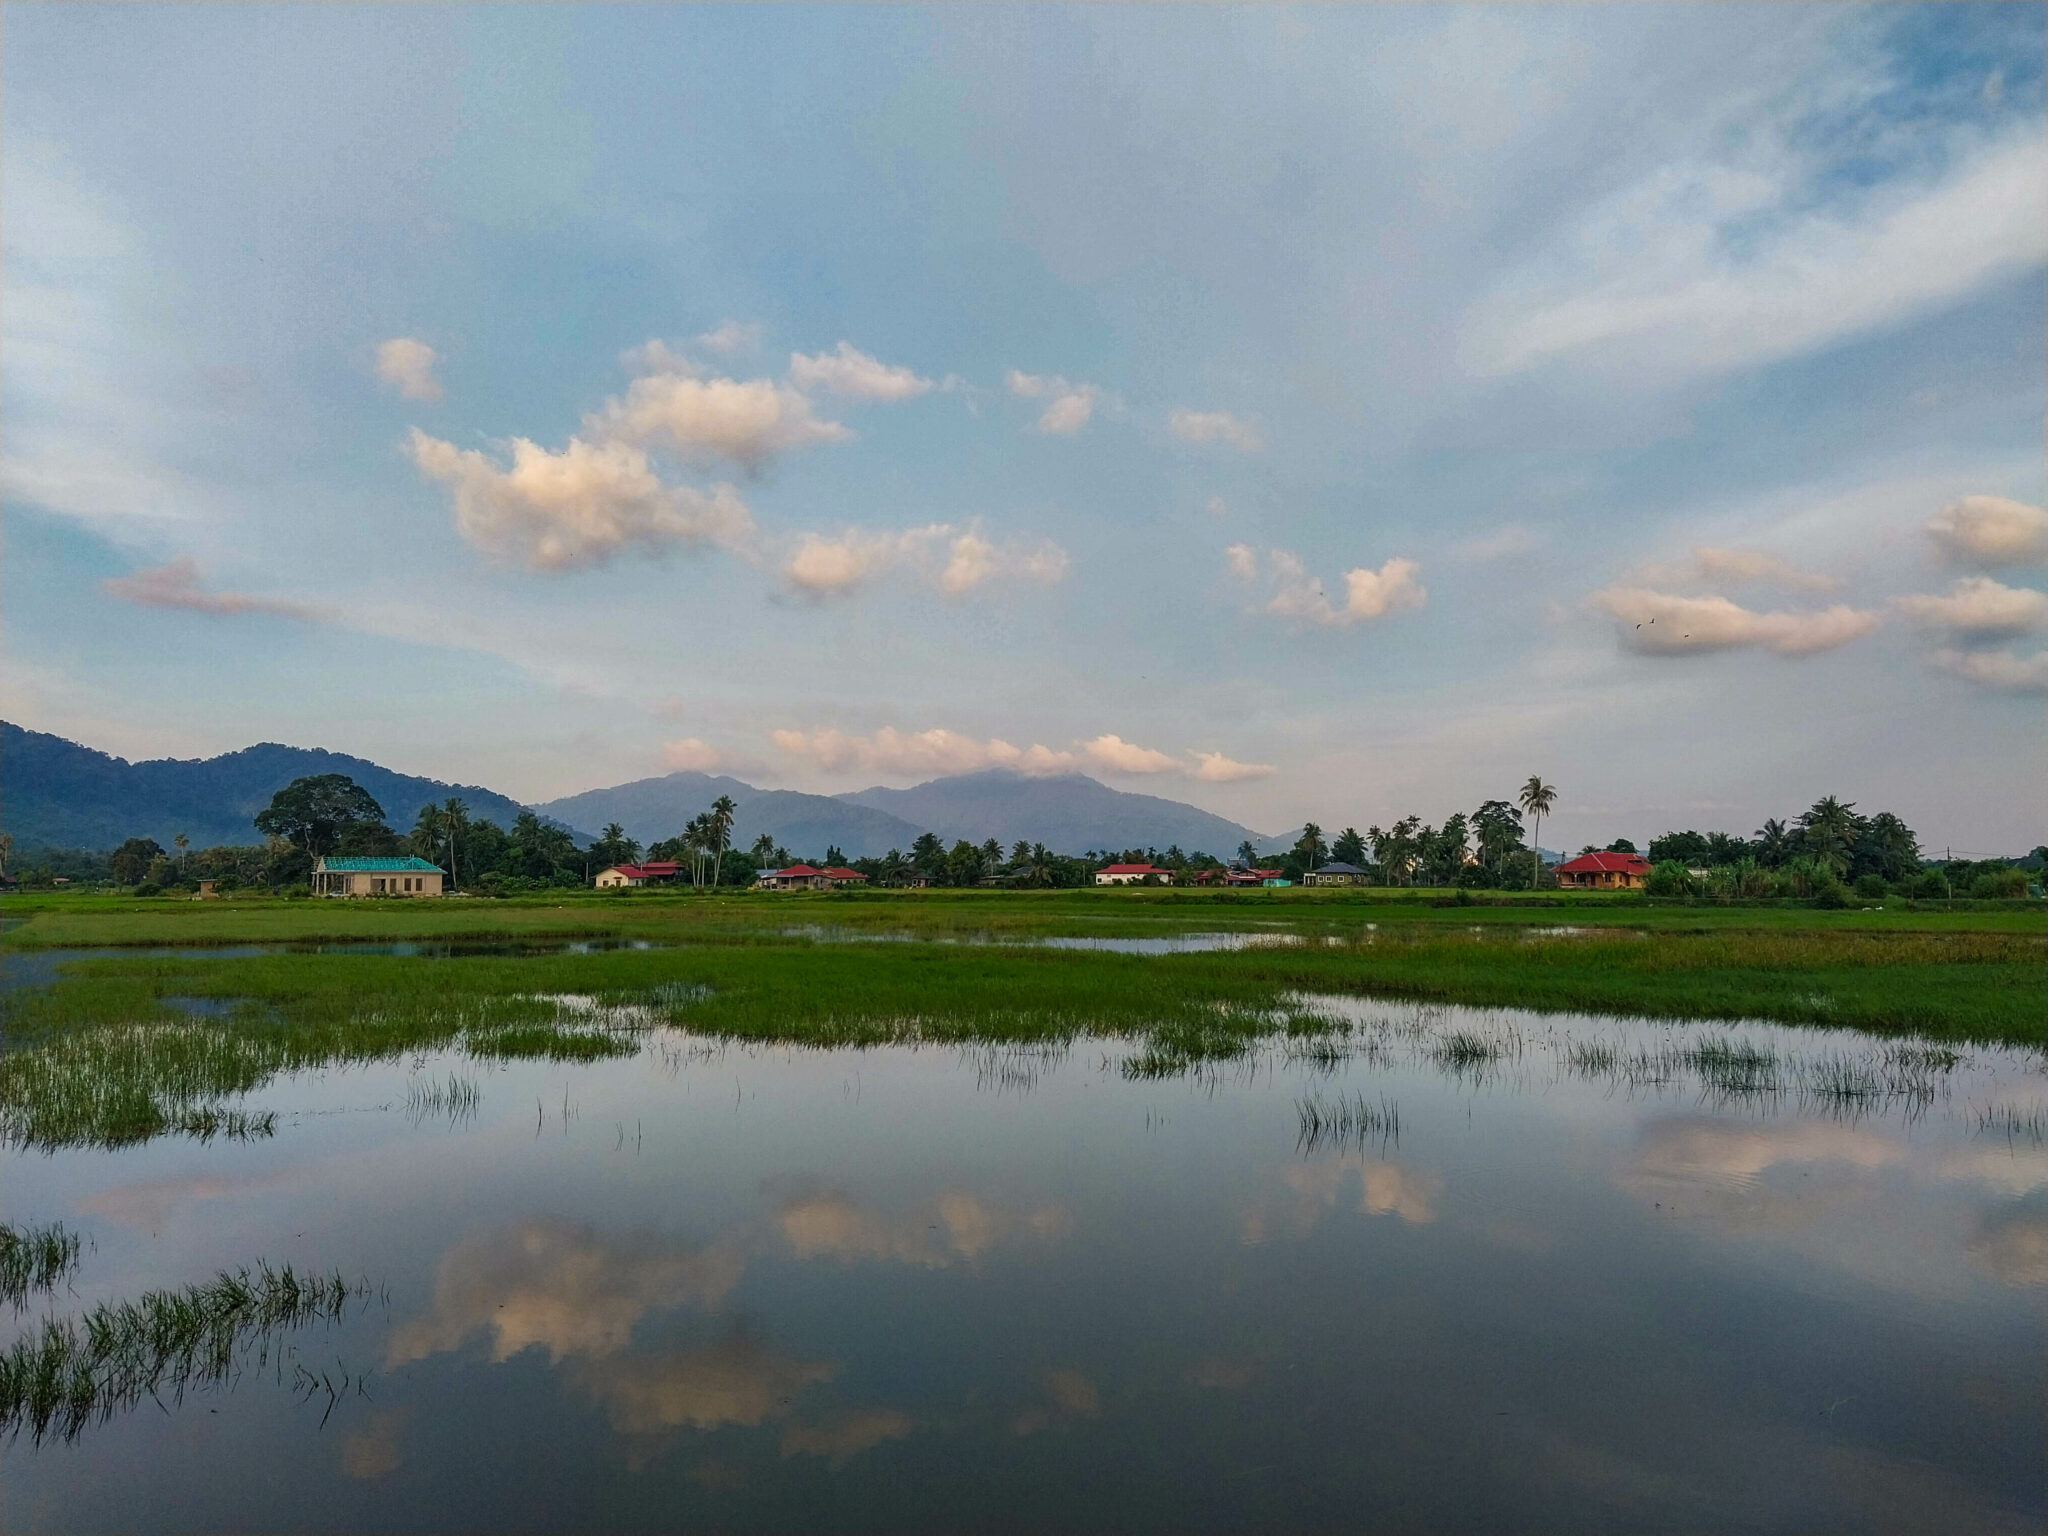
x=57, y=794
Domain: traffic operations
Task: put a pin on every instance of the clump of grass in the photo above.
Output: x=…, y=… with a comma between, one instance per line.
x=210, y=1120
x=69, y=1374
x=1345, y=1122
x=547, y=1042
x=1735, y=1066
x=1843, y=1080
x=458, y=1099
x=35, y=1259
x=1592, y=1058
x=2014, y=1123
x=1466, y=1049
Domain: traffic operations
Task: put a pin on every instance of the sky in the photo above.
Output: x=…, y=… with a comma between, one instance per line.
x=1323, y=413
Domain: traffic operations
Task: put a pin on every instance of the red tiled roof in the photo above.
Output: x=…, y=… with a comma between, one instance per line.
x=630, y=871
x=1133, y=869
x=1604, y=862
x=659, y=867
x=799, y=869
x=836, y=873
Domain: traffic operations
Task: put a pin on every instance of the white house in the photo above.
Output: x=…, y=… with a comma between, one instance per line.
x=1132, y=874
x=376, y=877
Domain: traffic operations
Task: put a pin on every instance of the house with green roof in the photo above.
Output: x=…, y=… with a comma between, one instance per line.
x=406, y=876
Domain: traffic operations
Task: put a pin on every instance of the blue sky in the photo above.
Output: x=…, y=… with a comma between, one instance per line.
x=1292, y=411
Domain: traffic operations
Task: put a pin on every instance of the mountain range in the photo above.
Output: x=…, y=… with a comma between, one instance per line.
x=57, y=793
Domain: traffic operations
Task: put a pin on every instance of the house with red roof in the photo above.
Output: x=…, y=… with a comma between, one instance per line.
x=618, y=876
x=1603, y=871
x=807, y=877
x=1132, y=874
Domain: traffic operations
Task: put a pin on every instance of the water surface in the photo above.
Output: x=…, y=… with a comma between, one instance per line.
x=1441, y=1269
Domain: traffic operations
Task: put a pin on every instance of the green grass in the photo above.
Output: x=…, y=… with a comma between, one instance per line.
x=34, y=1259
x=107, y=1055
x=61, y=920
x=68, y=1374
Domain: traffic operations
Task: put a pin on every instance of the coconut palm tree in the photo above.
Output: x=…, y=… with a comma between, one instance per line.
x=183, y=842
x=1829, y=831
x=1536, y=799
x=1246, y=853
x=454, y=822
x=722, y=813
x=1773, y=843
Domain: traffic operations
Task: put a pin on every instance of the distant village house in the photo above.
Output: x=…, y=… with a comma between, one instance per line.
x=1132, y=874
x=376, y=877
x=804, y=877
x=1603, y=872
x=653, y=872
x=1335, y=873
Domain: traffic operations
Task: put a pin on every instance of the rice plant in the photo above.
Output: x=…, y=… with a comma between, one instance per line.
x=1345, y=1122
x=458, y=1099
x=35, y=1259
x=71, y=1373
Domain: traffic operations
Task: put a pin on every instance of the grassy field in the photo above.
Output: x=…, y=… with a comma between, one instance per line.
x=32, y=921
x=137, y=1039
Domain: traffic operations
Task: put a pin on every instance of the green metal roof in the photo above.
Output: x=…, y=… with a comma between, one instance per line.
x=406, y=865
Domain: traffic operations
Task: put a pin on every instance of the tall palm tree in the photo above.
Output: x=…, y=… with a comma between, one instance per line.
x=722, y=812
x=183, y=842
x=1773, y=843
x=454, y=822
x=1536, y=799
x=1829, y=830
x=1246, y=853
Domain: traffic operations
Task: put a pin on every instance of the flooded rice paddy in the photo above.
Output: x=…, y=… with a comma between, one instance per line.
x=1425, y=1268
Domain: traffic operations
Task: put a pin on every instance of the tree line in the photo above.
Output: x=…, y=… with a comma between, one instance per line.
x=1830, y=852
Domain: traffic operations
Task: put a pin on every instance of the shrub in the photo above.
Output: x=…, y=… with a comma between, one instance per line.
x=1668, y=878
x=1832, y=896
x=1999, y=884
x=1872, y=887
x=148, y=888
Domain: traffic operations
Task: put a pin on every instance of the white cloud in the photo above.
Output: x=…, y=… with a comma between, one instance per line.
x=1215, y=427
x=178, y=585
x=747, y=422
x=915, y=752
x=1068, y=406
x=1712, y=564
x=852, y=373
x=1707, y=267
x=691, y=755
x=1215, y=768
x=1115, y=755
x=558, y=511
x=1980, y=607
x=1368, y=594
x=941, y=752
x=1665, y=623
x=1991, y=530
x=2002, y=671
x=954, y=559
x=407, y=365
x=731, y=337
x=1243, y=561
x=1218, y=507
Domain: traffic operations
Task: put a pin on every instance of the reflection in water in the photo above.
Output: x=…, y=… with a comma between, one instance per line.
x=560, y=1288
x=962, y=1228
x=2013, y=1243
x=1610, y=1274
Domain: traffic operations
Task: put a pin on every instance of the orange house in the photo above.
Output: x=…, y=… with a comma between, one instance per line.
x=1603, y=871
